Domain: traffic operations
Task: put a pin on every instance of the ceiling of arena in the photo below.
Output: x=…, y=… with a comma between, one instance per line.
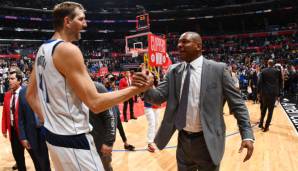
x=148, y=5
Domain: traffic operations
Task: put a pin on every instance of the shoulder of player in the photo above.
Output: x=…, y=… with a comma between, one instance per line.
x=67, y=49
x=67, y=56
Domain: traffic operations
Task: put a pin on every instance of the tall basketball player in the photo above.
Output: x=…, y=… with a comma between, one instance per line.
x=61, y=90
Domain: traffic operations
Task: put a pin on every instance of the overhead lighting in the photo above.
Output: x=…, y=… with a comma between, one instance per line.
x=288, y=8
x=209, y=16
x=268, y=10
x=191, y=18
x=47, y=30
x=19, y=29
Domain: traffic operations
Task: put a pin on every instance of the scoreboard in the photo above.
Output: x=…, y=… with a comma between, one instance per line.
x=143, y=22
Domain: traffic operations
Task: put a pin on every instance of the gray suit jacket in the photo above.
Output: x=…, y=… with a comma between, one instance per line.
x=216, y=83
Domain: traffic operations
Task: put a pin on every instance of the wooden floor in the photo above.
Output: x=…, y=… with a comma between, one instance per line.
x=276, y=150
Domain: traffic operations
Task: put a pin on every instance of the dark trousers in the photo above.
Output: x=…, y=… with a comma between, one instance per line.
x=267, y=103
x=18, y=150
x=192, y=154
x=120, y=128
x=1, y=98
x=254, y=95
x=130, y=101
x=41, y=156
x=136, y=98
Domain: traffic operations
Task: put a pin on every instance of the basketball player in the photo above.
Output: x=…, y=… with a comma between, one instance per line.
x=61, y=90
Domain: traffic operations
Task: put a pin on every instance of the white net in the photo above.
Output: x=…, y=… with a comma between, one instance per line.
x=134, y=53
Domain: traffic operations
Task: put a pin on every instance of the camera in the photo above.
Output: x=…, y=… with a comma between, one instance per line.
x=111, y=78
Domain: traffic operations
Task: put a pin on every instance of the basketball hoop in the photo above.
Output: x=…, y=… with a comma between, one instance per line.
x=134, y=53
x=137, y=42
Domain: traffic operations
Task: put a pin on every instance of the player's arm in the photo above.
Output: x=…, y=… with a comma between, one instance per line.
x=69, y=61
x=32, y=96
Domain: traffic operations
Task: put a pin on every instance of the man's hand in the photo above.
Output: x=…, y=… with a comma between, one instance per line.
x=250, y=148
x=143, y=80
x=139, y=79
x=106, y=150
x=26, y=144
x=5, y=135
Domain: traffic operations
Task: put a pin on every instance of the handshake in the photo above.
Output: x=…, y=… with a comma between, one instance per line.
x=142, y=80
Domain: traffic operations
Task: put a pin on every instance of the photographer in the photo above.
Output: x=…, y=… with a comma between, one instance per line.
x=104, y=131
x=109, y=83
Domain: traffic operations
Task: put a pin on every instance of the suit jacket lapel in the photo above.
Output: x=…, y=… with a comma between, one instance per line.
x=178, y=80
x=204, y=79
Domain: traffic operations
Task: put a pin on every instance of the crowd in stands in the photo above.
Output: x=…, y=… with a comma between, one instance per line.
x=246, y=53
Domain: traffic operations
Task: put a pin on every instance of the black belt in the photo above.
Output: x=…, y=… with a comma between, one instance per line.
x=192, y=134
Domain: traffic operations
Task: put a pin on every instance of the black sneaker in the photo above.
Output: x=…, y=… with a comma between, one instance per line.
x=129, y=147
x=261, y=126
x=133, y=117
x=266, y=129
x=15, y=167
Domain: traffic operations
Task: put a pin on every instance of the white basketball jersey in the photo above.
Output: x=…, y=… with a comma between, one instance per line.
x=64, y=112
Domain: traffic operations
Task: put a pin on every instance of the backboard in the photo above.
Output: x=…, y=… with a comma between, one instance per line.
x=136, y=44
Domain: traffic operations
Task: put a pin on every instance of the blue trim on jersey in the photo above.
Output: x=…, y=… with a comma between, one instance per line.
x=54, y=47
x=50, y=40
x=69, y=141
x=93, y=157
x=77, y=159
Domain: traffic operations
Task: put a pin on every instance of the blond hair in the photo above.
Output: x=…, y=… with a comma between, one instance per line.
x=63, y=10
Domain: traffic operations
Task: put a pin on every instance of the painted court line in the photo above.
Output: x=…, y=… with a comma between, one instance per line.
x=172, y=147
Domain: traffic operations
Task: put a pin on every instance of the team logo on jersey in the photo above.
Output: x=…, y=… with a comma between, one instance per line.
x=41, y=61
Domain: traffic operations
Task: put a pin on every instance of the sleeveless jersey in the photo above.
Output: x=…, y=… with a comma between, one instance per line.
x=64, y=112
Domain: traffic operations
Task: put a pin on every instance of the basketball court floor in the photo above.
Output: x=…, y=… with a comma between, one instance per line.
x=276, y=150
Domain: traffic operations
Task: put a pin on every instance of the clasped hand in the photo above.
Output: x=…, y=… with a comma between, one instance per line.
x=143, y=80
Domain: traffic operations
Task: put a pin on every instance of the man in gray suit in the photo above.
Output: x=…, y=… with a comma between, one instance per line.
x=194, y=91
